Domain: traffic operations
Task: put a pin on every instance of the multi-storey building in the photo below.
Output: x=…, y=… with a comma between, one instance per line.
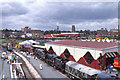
x=26, y=30
x=113, y=32
x=37, y=33
x=102, y=32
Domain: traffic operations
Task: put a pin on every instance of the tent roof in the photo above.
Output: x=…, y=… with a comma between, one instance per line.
x=85, y=44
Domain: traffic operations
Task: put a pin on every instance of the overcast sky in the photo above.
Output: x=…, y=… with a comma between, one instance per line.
x=47, y=15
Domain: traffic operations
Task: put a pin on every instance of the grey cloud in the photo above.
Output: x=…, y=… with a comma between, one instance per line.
x=75, y=14
x=78, y=12
x=46, y=16
x=13, y=9
x=119, y=10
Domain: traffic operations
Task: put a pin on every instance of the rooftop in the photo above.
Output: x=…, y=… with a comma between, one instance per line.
x=86, y=44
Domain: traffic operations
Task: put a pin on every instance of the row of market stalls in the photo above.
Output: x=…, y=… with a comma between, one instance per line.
x=26, y=45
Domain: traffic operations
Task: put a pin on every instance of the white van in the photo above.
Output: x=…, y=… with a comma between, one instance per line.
x=4, y=56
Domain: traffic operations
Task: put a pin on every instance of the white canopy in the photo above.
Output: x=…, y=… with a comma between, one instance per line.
x=25, y=43
x=31, y=41
x=38, y=46
x=28, y=42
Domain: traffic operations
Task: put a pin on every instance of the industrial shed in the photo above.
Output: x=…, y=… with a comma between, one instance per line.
x=85, y=52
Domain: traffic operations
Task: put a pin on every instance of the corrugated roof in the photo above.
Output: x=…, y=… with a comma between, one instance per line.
x=86, y=44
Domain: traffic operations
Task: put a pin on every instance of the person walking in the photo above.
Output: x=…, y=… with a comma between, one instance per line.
x=41, y=66
x=117, y=73
x=111, y=69
x=36, y=58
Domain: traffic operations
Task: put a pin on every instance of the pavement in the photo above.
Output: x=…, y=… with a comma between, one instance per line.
x=30, y=67
x=47, y=72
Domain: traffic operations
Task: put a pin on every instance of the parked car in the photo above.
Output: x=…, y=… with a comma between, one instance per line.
x=4, y=55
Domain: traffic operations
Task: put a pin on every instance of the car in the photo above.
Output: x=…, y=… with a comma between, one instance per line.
x=4, y=55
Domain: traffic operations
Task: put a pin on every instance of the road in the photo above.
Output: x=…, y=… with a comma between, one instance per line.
x=4, y=67
x=47, y=72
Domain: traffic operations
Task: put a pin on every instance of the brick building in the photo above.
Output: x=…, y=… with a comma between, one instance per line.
x=26, y=30
x=102, y=32
x=113, y=32
x=37, y=33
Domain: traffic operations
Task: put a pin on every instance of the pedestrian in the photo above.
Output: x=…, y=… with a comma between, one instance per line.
x=41, y=66
x=117, y=73
x=20, y=75
x=36, y=58
x=8, y=61
x=17, y=72
x=111, y=69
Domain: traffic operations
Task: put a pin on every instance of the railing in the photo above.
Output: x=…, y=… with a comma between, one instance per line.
x=13, y=72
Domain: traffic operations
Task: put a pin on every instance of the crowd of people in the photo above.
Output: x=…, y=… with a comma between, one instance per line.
x=18, y=72
x=110, y=69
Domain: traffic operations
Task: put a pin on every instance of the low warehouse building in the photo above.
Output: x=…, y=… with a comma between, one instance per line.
x=94, y=54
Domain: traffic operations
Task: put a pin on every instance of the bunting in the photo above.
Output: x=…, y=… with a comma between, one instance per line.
x=97, y=37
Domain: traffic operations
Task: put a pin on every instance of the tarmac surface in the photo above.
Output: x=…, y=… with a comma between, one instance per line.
x=47, y=71
x=4, y=67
